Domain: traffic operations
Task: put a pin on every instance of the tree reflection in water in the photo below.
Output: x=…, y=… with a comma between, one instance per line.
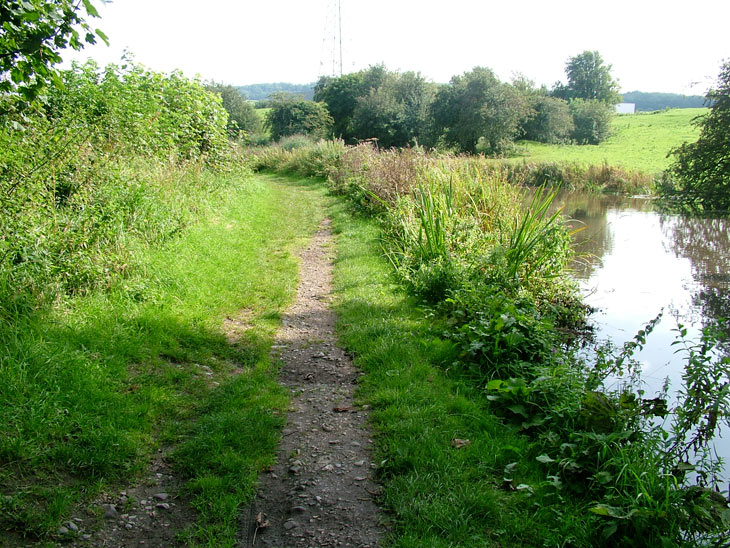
x=706, y=243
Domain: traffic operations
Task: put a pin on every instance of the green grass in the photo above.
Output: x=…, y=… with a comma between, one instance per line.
x=639, y=142
x=435, y=494
x=92, y=388
x=262, y=112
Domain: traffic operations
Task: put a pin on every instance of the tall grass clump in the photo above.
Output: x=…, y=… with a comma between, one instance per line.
x=600, y=177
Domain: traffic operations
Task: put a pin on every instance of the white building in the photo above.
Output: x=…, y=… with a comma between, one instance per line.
x=626, y=108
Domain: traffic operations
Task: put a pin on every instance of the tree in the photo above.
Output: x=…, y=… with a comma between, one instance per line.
x=592, y=120
x=291, y=115
x=589, y=78
x=549, y=119
x=32, y=35
x=396, y=112
x=477, y=109
x=552, y=121
x=241, y=114
x=701, y=170
x=340, y=94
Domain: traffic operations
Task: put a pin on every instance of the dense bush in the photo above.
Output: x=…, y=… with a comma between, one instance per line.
x=477, y=112
x=552, y=121
x=701, y=170
x=396, y=113
x=137, y=111
x=291, y=115
x=592, y=121
x=116, y=154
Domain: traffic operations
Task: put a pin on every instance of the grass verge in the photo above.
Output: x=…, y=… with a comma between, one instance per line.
x=175, y=357
x=443, y=456
x=460, y=465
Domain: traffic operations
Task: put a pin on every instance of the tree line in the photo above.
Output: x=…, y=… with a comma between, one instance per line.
x=475, y=112
x=649, y=101
x=261, y=92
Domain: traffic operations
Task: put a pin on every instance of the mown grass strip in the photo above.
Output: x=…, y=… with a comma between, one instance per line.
x=175, y=357
x=439, y=491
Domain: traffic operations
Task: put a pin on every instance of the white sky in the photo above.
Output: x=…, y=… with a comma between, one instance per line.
x=653, y=45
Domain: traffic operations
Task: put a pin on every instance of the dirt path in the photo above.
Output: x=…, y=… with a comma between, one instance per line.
x=319, y=494
x=149, y=514
x=321, y=491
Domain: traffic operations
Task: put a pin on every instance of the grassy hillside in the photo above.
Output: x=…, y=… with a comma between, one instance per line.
x=639, y=142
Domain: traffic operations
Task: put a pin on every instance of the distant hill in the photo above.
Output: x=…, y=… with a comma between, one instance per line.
x=646, y=101
x=257, y=92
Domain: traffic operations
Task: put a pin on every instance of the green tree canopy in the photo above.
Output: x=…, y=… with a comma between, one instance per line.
x=396, y=113
x=552, y=121
x=32, y=35
x=292, y=115
x=592, y=121
x=477, y=109
x=341, y=93
x=241, y=114
x=701, y=170
x=589, y=78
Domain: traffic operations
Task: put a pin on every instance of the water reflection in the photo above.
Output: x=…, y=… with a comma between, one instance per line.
x=706, y=243
x=635, y=262
x=591, y=213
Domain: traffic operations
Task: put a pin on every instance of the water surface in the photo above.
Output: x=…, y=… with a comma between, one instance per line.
x=636, y=262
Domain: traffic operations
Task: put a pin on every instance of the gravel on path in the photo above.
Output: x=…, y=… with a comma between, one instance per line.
x=321, y=492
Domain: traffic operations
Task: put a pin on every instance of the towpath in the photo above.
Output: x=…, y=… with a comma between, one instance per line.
x=321, y=492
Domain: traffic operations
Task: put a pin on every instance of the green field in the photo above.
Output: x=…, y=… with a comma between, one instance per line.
x=639, y=142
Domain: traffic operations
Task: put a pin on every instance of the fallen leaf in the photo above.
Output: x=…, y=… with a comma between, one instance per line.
x=261, y=522
x=342, y=409
x=458, y=443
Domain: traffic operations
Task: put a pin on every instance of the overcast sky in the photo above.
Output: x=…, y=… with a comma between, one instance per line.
x=653, y=45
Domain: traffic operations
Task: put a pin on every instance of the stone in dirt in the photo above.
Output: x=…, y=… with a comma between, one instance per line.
x=110, y=511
